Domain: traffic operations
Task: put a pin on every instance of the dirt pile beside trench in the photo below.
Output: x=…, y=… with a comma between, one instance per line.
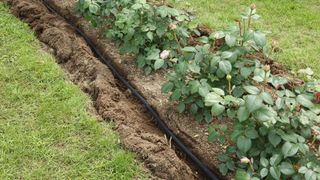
x=111, y=100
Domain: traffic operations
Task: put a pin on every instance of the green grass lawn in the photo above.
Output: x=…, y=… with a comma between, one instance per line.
x=45, y=129
x=294, y=24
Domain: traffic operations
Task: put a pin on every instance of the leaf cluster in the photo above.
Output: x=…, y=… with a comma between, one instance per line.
x=139, y=28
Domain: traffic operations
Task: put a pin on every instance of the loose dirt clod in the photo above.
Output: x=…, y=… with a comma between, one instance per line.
x=111, y=101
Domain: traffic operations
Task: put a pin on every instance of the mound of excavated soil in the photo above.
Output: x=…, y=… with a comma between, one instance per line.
x=111, y=101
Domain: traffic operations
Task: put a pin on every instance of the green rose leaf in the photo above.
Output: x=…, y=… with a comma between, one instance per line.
x=203, y=91
x=223, y=168
x=303, y=169
x=251, y=133
x=287, y=168
x=280, y=103
x=204, y=39
x=244, y=144
x=252, y=90
x=225, y=66
x=242, y=175
x=218, y=91
x=217, y=35
x=181, y=107
x=275, y=172
x=212, y=98
x=277, y=81
x=273, y=138
x=264, y=172
x=213, y=136
x=194, y=108
x=147, y=70
x=259, y=75
x=217, y=109
x=246, y=72
x=150, y=35
x=167, y=87
x=275, y=159
x=93, y=8
x=226, y=54
x=231, y=165
x=304, y=101
x=264, y=114
x=158, y=64
x=189, y=49
x=194, y=86
x=310, y=175
x=289, y=149
x=267, y=97
x=230, y=40
x=264, y=162
x=289, y=93
x=243, y=114
x=176, y=95
x=304, y=120
x=153, y=54
x=194, y=68
x=136, y=6
x=253, y=102
x=260, y=39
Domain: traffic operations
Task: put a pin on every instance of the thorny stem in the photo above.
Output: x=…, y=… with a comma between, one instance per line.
x=244, y=25
x=230, y=89
x=265, y=80
x=141, y=17
x=244, y=31
x=229, y=77
x=251, y=166
x=240, y=27
x=249, y=21
x=314, y=140
x=178, y=42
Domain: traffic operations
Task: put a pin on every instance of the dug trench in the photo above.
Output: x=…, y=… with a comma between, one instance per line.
x=112, y=100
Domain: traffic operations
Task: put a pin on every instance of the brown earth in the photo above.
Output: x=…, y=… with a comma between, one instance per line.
x=111, y=101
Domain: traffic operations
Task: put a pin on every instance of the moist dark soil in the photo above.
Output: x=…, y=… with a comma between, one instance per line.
x=111, y=100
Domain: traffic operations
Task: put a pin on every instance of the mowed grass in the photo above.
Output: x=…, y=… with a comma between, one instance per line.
x=45, y=129
x=295, y=24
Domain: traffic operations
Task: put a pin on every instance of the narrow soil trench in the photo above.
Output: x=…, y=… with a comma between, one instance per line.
x=111, y=100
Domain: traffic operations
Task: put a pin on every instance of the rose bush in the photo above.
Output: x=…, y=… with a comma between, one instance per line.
x=274, y=125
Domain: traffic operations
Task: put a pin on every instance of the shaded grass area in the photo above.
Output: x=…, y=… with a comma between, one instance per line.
x=45, y=129
x=294, y=24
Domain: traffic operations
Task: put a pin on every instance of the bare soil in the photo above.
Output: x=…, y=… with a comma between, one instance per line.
x=111, y=101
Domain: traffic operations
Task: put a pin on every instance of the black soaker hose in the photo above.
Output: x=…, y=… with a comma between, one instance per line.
x=154, y=114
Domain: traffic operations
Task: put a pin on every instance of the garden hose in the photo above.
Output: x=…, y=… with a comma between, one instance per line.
x=161, y=124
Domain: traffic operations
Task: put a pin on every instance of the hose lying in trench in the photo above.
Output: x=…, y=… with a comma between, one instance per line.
x=207, y=172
